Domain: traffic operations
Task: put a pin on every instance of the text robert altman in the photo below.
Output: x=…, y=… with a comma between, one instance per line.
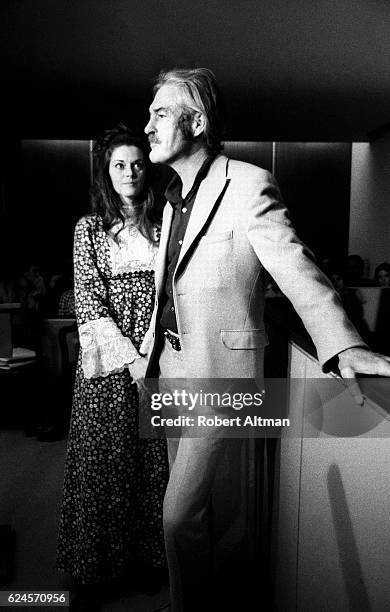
x=217, y=421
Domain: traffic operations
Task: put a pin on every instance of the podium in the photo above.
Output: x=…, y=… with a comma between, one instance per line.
x=330, y=544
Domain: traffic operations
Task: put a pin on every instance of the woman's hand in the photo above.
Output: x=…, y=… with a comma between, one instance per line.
x=137, y=370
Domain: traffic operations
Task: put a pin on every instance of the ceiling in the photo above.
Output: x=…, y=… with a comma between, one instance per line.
x=290, y=70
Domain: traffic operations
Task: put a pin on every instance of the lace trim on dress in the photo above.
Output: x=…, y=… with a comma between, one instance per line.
x=104, y=349
x=131, y=251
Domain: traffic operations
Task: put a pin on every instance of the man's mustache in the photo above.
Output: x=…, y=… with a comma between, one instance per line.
x=153, y=140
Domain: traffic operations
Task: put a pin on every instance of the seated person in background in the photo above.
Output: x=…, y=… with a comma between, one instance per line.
x=7, y=289
x=30, y=292
x=382, y=275
x=65, y=304
x=327, y=264
x=352, y=301
x=66, y=307
x=31, y=288
x=354, y=273
x=59, y=282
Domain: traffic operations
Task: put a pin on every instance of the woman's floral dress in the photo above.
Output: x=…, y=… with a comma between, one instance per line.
x=115, y=481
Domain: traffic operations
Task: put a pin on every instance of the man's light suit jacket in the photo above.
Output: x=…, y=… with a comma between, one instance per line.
x=238, y=229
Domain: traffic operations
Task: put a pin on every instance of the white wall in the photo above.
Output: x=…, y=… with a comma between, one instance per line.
x=369, y=232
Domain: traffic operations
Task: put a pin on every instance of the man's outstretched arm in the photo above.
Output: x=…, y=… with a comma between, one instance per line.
x=291, y=264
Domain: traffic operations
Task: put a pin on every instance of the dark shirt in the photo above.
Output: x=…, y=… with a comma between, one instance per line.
x=182, y=208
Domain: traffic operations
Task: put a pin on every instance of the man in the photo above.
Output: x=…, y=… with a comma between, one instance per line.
x=223, y=227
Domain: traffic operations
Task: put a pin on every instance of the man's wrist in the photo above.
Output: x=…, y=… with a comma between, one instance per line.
x=352, y=348
x=332, y=365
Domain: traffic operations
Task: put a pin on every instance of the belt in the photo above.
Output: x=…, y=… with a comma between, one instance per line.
x=173, y=340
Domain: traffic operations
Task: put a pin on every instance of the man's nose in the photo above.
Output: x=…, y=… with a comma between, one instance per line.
x=149, y=127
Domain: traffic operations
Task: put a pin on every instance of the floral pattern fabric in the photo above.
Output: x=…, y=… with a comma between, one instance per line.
x=114, y=481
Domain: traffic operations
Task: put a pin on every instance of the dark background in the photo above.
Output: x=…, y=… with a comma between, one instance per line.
x=312, y=76
x=290, y=70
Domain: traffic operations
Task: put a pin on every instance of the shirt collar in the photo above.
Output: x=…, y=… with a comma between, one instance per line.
x=173, y=190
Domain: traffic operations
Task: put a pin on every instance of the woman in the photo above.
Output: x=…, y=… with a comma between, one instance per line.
x=382, y=275
x=114, y=486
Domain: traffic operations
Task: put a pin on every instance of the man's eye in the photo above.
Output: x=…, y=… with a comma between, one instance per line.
x=160, y=115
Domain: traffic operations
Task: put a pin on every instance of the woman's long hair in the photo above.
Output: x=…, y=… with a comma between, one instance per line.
x=105, y=201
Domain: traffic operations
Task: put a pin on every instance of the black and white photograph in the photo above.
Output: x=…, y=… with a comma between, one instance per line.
x=195, y=305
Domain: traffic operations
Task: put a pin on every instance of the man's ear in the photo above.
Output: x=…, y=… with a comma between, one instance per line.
x=198, y=124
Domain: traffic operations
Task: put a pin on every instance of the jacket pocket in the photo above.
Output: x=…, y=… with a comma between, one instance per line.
x=236, y=339
x=211, y=237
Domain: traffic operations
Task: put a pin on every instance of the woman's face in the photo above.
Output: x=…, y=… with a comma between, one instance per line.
x=127, y=171
x=383, y=278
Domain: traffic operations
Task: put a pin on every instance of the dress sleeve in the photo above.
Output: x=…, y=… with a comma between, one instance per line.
x=104, y=349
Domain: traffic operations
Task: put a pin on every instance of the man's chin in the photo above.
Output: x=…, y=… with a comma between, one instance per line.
x=154, y=157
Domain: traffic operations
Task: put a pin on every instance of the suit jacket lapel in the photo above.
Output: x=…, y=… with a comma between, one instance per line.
x=163, y=248
x=209, y=191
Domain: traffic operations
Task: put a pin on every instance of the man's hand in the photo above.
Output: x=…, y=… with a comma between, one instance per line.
x=361, y=361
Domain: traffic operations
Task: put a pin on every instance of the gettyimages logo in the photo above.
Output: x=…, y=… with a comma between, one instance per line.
x=192, y=400
x=241, y=408
x=231, y=408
